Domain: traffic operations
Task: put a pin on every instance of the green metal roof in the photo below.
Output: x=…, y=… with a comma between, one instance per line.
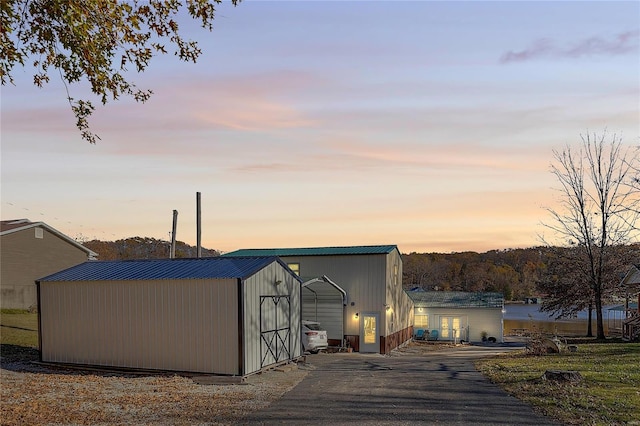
x=313, y=251
x=455, y=299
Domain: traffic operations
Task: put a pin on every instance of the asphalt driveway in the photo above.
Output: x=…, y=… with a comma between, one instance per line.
x=406, y=387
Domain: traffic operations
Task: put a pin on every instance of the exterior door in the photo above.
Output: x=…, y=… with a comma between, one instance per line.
x=450, y=328
x=370, y=332
x=275, y=329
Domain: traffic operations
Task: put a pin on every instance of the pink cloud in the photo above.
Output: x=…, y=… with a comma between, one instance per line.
x=623, y=43
x=456, y=154
x=259, y=101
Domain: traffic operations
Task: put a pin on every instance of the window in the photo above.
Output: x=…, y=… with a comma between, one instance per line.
x=450, y=327
x=370, y=329
x=421, y=321
x=395, y=274
x=295, y=267
x=311, y=325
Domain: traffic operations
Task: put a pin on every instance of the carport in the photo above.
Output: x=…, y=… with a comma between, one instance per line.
x=323, y=301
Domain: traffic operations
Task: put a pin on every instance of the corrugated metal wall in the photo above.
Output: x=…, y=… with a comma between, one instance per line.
x=182, y=325
x=399, y=316
x=363, y=277
x=260, y=352
x=324, y=305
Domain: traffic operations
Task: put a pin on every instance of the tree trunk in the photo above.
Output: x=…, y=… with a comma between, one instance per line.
x=599, y=322
x=589, y=327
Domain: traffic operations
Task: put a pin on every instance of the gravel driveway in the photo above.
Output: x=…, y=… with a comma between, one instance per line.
x=409, y=387
x=418, y=384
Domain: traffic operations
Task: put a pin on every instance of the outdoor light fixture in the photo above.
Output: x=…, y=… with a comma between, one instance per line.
x=278, y=282
x=357, y=315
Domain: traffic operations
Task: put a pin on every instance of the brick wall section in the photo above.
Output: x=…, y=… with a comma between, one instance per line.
x=394, y=340
x=353, y=342
x=387, y=344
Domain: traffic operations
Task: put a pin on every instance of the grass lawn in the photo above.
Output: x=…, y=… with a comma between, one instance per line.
x=609, y=393
x=19, y=328
x=18, y=335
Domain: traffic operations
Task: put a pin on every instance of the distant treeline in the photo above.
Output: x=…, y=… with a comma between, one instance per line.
x=517, y=273
x=143, y=248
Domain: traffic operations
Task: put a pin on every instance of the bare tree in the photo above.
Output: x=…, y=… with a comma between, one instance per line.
x=634, y=181
x=598, y=211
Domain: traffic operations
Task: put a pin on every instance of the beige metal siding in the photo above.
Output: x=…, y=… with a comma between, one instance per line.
x=263, y=283
x=399, y=316
x=325, y=306
x=181, y=325
x=25, y=258
x=363, y=277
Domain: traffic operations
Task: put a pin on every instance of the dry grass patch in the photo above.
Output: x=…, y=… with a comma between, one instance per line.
x=32, y=394
x=48, y=396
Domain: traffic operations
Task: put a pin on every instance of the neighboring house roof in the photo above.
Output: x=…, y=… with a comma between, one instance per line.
x=455, y=299
x=314, y=251
x=17, y=225
x=632, y=279
x=159, y=269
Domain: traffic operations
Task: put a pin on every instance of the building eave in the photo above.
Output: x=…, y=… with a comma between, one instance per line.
x=90, y=253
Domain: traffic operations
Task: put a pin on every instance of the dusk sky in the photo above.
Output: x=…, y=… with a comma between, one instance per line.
x=429, y=125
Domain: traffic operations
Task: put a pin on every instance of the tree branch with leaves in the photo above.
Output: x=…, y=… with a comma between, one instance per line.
x=97, y=41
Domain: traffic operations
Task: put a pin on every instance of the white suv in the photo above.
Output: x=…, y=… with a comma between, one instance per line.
x=313, y=337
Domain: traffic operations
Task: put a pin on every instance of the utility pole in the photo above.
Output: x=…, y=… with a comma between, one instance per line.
x=172, y=253
x=198, y=227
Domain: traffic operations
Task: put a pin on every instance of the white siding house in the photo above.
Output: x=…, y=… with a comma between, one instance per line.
x=458, y=316
x=209, y=315
x=376, y=314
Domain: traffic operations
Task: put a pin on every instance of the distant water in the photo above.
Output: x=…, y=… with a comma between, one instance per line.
x=522, y=312
x=526, y=317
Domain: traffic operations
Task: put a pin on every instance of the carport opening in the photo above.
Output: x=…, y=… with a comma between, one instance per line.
x=323, y=301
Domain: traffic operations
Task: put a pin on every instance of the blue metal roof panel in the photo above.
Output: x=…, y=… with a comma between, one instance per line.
x=314, y=251
x=158, y=269
x=455, y=299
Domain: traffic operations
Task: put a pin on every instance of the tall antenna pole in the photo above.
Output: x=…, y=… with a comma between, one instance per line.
x=172, y=254
x=198, y=226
